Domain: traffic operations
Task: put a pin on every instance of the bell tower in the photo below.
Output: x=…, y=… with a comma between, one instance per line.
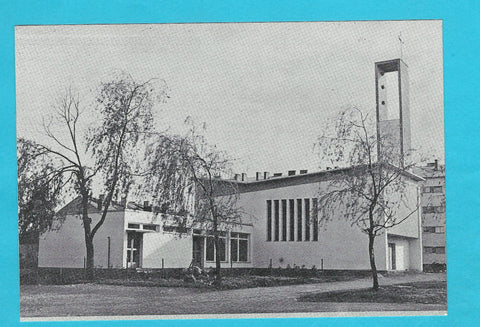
x=393, y=112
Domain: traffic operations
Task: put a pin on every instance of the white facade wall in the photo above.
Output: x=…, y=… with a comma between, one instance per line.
x=174, y=249
x=339, y=245
x=407, y=236
x=65, y=248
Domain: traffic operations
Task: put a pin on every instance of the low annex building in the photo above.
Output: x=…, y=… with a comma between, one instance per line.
x=281, y=231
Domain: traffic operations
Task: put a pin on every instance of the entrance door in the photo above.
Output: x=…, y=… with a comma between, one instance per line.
x=392, y=256
x=197, y=255
x=134, y=242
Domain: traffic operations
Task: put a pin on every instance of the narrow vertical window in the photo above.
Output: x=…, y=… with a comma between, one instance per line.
x=299, y=220
x=307, y=220
x=210, y=251
x=315, y=219
x=239, y=247
x=292, y=219
x=277, y=219
x=284, y=220
x=269, y=220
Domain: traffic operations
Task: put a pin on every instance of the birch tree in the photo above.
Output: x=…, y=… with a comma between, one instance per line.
x=371, y=189
x=189, y=174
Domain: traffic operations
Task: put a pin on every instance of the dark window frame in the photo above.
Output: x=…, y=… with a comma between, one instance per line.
x=307, y=219
x=284, y=220
x=299, y=220
x=276, y=218
x=269, y=220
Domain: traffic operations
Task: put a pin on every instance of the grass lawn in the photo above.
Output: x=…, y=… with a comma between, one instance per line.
x=433, y=292
x=94, y=299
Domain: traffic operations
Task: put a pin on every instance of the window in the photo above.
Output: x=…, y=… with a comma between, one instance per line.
x=292, y=219
x=239, y=247
x=210, y=255
x=299, y=220
x=315, y=219
x=284, y=220
x=269, y=220
x=175, y=229
x=307, y=219
x=433, y=209
x=277, y=220
x=440, y=250
x=432, y=189
x=134, y=240
x=434, y=229
x=134, y=226
x=150, y=227
x=432, y=249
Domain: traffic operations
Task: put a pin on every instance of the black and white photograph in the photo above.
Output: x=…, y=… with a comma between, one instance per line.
x=231, y=170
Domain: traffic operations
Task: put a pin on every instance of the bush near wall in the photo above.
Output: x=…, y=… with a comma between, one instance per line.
x=435, y=267
x=62, y=276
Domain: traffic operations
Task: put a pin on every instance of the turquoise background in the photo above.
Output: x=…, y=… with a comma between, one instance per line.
x=462, y=123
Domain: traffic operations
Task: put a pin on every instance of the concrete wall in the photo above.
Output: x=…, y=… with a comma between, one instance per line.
x=340, y=245
x=416, y=255
x=407, y=236
x=174, y=249
x=66, y=247
x=402, y=253
x=408, y=205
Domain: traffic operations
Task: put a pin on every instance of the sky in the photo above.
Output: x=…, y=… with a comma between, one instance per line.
x=264, y=90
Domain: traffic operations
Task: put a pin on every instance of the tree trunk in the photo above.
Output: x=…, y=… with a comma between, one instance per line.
x=89, y=264
x=218, y=274
x=90, y=273
x=371, y=239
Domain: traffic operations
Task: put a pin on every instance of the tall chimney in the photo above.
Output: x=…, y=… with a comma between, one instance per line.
x=258, y=175
x=266, y=174
x=146, y=206
x=436, y=164
x=236, y=177
x=244, y=177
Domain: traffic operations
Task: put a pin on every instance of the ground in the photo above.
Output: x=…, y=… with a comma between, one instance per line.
x=111, y=300
x=433, y=292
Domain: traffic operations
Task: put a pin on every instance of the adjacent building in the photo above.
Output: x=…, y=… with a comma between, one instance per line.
x=433, y=214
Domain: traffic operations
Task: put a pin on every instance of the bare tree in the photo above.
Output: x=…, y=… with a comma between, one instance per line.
x=185, y=173
x=372, y=188
x=125, y=108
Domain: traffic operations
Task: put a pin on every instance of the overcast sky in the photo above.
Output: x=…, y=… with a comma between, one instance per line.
x=263, y=89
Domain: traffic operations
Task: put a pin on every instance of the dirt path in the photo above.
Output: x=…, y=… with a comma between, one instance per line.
x=107, y=300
